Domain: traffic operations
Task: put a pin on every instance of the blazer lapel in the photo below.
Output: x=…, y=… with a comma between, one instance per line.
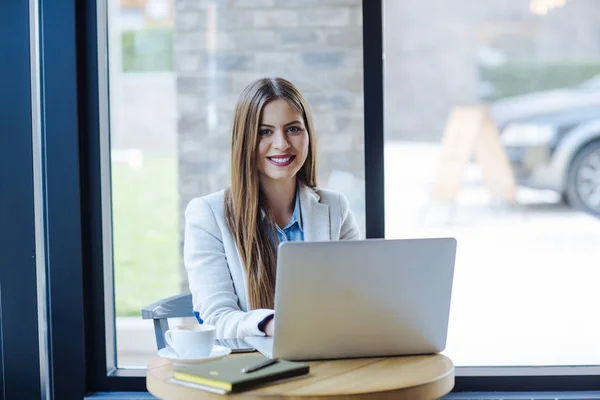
x=315, y=216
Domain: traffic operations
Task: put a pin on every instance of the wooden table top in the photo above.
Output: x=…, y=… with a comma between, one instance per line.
x=406, y=377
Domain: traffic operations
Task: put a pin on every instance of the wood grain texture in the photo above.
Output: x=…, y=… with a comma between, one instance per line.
x=409, y=377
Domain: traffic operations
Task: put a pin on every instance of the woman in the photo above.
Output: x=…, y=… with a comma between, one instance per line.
x=231, y=236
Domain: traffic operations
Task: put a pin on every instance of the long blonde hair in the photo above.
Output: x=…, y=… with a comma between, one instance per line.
x=244, y=200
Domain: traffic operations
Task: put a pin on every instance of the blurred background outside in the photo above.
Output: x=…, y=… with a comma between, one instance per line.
x=525, y=270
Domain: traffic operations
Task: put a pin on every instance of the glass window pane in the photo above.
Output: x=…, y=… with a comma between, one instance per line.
x=493, y=137
x=176, y=70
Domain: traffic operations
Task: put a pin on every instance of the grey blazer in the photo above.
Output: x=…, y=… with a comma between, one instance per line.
x=216, y=275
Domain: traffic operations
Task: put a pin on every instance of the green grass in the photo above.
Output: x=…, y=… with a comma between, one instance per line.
x=145, y=233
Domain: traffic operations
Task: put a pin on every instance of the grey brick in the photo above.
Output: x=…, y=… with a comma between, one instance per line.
x=311, y=3
x=253, y=3
x=241, y=79
x=189, y=143
x=325, y=17
x=297, y=3
x=253, y=39
x=330, y=59
x=193, y=41
x=346, y=159
x=186, y=63
x=186, y=5
x=359, y=103
x=276, y=18
x=345, y=38
x=276, y=63
x=357, y=16
x=348, y=122
x=353, y=59
x=332, y=142
x=188, y=123
x=202, y=85
x=190, y=20
x=188, y=103
x=233, y=19
x=326, y=101
x=298, y=38
x=324, y=123
x=351, y=80
x=201, y=40
x=228, y=61
x=327, y=80
x=200, y=139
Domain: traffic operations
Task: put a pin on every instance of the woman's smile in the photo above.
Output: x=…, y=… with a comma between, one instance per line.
x=281, y=160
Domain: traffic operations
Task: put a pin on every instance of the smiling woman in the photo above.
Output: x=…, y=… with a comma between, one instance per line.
x=273, y=198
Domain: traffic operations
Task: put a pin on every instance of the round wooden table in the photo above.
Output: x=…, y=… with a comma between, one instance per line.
x=407, y=377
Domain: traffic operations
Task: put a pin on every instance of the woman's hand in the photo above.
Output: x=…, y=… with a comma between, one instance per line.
x=270, y=327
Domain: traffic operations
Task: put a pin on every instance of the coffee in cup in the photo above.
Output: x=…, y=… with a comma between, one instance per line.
x=191, y=340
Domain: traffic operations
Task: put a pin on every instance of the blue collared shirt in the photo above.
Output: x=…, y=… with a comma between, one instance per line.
x=293, y=231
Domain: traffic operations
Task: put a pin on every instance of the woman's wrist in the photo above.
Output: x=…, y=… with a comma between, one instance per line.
x=270, y=328
x=262, y=325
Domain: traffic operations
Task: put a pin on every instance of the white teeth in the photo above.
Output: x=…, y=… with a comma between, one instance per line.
x=281, y=160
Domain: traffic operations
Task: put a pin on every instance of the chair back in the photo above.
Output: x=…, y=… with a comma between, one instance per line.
x=179, y=306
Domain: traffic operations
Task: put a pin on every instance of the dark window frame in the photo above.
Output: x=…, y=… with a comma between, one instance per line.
x=60, y=130
x=19, y=355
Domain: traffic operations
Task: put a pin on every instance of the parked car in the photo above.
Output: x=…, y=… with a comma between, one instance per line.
x=552, y=139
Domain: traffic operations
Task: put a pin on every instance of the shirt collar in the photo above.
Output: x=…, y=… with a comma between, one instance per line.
x=296, y=215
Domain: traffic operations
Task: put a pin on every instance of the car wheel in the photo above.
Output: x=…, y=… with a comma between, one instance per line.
x=583, y=185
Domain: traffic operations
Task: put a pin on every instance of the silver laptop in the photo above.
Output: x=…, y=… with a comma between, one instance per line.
x=363, y=298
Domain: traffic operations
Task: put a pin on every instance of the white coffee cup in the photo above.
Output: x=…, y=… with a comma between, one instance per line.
x=191, y=340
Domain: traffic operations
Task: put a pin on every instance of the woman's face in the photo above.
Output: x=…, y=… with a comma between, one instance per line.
x=282, y=141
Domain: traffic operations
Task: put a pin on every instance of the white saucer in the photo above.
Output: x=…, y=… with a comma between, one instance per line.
x=217, y=353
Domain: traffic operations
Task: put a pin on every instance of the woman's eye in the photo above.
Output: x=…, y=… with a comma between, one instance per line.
x=264, y=132
x=294, y=129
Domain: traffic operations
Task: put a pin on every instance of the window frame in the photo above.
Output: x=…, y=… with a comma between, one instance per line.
x=103, y=375
x=62, y=217
x=83, y=251
x=21, y=373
